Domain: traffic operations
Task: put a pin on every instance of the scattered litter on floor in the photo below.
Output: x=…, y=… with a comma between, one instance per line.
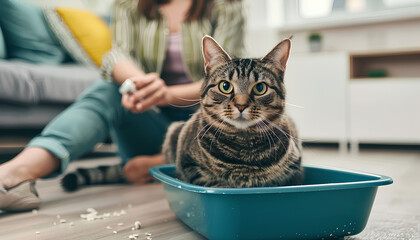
x=133, y=236
x=137, y=224
x=92, y=214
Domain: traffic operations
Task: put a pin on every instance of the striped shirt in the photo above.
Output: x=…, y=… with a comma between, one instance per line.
x=144, y=41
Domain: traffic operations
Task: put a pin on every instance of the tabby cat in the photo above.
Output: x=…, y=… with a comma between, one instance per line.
x=240, y=136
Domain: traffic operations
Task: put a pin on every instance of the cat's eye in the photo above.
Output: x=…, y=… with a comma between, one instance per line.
x=260, y=88
x=225, y=87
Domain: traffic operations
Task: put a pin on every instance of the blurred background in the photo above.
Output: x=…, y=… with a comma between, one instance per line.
x=352, y=79
x=353, y=76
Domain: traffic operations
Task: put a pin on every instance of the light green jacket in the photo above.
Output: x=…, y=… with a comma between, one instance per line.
x=144, y=41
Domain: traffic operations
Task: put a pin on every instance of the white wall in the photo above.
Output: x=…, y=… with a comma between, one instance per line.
x=263, y=17
x=263, y=27
x=264, y=31
x=372, y=37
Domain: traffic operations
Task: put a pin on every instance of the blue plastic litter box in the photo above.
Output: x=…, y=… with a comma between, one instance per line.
x=331, y=203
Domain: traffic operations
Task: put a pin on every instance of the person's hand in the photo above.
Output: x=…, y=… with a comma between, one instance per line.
x=151, y=91
x=137, y=169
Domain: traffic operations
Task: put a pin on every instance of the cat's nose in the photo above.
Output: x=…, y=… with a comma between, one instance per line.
x=241, y=107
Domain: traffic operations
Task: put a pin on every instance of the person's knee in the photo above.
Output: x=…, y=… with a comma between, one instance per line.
x=103, y=94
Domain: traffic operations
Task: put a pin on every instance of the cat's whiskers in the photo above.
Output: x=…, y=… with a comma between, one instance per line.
x=204, y=128
x=198, y=119
x=256, y=120
x=189, y=100
x=270, y=130
x=295, y=138
x=290, y=138
x=283, y=131
x=294, y=105
x=265, y=134
x=183, y=106
x=270, y=139
x=209, y=128
x=215, y=135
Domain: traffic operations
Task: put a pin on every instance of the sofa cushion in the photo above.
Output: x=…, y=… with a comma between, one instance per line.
x=25, y=83
x=18, y=116
x=85, y=36
x=2, y=46
x=27, y=35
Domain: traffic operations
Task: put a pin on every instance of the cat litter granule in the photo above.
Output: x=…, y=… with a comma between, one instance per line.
x=137, y=225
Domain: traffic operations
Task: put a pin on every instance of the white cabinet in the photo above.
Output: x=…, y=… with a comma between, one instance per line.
x=385, y=110
x=317, y=84
x=336, y=102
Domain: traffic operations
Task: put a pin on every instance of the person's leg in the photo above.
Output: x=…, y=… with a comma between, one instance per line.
x=30, y=164
x=139, y=138
x=70, y=135
x=144, y=150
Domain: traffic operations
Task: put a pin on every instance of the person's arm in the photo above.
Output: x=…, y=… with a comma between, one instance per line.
x=125, y=69
x=157, y=93
x=183, y=95
x=117, y=63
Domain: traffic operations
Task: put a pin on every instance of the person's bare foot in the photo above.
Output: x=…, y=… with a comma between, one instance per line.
x=31, y=164
x=137, y=169
x=11, y=176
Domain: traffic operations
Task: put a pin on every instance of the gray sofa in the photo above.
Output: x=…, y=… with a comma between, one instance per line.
x=31, y=95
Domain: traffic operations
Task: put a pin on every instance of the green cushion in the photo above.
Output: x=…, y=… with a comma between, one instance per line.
x=2, y=46
x=27, y=35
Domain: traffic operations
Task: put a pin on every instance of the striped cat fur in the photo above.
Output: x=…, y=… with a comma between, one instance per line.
x=240, y=137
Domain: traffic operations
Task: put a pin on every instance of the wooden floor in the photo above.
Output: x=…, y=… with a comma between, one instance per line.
x=395, y=214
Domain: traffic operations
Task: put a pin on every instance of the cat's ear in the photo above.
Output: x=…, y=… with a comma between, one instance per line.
x=279, y=54
x=213, y=54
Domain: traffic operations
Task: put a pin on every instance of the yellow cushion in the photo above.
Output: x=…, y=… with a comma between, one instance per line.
x=89, y=35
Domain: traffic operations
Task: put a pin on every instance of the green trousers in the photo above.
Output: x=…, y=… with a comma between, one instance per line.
x=98, y=114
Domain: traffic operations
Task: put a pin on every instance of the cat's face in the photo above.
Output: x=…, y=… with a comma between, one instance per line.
x=243, y=92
